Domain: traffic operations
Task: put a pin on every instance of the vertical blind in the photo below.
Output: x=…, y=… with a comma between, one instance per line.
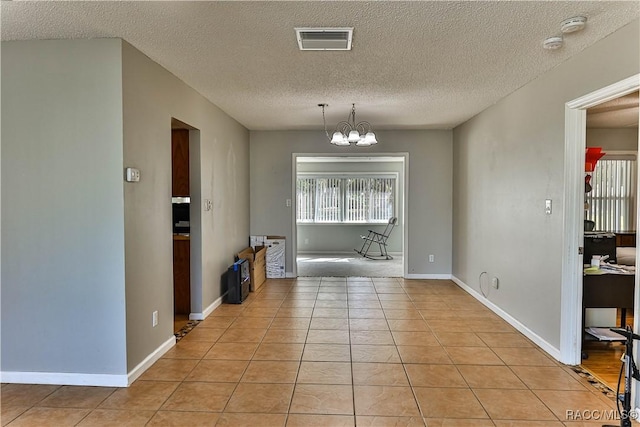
x=612, y=200
x=381, y=199
x=305, y=198
x=328, y=200
x=357, y=194
x=345, y=199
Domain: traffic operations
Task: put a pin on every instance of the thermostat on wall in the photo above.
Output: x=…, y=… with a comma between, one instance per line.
x=132, y=175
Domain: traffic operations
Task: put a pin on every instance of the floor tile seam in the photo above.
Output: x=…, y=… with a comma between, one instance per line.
x=34, y=407
x=16, y=416
x=293, y=392
x=245, y=370
x=556, y=418
x=488, y=416
x=43, y=398
x=76, y=407
x=510, y=368
x=522, y=380
x=413, y=393
x=388, y=326
x=353, y=389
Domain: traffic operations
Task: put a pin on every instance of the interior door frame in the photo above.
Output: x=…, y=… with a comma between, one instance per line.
x=575, y=145
x=405, y=192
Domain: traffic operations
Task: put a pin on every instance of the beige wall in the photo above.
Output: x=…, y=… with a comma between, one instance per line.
x=507, y=161
x=624, y=139
x=151, y=97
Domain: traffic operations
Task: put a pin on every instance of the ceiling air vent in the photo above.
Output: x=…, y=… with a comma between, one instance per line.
x=324, y=38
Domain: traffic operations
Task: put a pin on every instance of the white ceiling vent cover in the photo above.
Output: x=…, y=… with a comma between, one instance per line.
x=324, y=38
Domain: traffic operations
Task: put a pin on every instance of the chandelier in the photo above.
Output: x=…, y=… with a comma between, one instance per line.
x=349, y=132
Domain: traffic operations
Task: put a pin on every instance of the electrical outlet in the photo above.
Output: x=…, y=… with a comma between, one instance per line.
x=432, y=258
x=207, y=205
x=154, y=319
x=494, y=283
x=288, y=203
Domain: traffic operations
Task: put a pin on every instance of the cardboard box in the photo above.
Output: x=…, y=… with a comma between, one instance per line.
x=257, y=265
x=259, y=270
x=275, y=258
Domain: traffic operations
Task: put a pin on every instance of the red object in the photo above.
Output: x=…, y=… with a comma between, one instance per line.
x=592, y=156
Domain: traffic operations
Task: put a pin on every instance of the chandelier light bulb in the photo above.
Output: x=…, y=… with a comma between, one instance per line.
x=354, y=136
x=338, y=137
x=344, y=142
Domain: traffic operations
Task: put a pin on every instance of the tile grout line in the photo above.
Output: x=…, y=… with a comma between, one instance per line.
x=295, y=383
x=412, y=388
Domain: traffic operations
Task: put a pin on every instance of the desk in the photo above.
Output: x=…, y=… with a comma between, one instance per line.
x=608, y=291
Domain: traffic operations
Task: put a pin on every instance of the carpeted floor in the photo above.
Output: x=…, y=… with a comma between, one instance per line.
x=345, y=265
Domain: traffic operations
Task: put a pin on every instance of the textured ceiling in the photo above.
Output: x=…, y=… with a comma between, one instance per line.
x=414, y=65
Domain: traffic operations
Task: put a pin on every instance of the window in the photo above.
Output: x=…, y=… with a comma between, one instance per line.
x=353, y=199
x=612, y=200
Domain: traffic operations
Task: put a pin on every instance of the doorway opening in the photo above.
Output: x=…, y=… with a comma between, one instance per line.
x=575, y=295
x=186, y=228
x=338, y=200
x=611, y=210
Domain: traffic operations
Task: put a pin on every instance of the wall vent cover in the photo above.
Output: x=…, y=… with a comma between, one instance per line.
x=324, y=38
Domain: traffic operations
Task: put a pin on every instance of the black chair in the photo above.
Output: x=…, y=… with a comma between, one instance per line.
x=380, y=239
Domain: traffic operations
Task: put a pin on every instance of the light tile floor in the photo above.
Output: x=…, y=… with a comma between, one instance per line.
x=334, y=352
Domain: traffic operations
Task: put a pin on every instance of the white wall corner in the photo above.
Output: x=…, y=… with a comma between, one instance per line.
x=207, y=311
x=150, y=360
x=537, y=339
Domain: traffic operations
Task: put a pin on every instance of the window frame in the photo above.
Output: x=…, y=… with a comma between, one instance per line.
x=610, y=200
x=343, y=176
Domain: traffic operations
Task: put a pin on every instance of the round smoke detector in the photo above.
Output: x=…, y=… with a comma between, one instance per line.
x=574, y=24
x=552, y=43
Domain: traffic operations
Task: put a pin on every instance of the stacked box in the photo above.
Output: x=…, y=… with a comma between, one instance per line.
x=275, y=257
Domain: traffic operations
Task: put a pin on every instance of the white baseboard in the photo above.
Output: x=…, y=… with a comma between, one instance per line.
x=290, y=275
x=537, y=339
x=64, y=378
x=207, y=311
x=428, y=276
x=151, y=359
x=99, y=380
